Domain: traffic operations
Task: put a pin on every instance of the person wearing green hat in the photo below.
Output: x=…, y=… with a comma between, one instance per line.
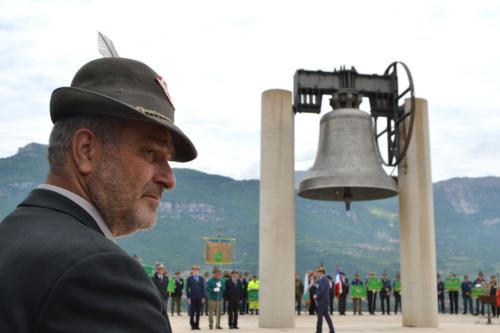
x=109, y=156
x=215, y=289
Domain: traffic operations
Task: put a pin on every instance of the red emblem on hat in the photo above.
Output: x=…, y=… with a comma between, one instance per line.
x=163, y=85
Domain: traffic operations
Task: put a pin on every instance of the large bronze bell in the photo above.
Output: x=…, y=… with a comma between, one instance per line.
x=347, y=166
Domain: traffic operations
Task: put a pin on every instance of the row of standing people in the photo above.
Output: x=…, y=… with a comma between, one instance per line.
x=387, y=288
x=232, y=293
x=341, y=289
x=466, y=288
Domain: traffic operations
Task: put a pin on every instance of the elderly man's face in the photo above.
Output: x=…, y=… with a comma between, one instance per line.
x=127, y=183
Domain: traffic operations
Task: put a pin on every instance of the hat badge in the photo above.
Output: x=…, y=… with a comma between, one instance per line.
x=163, y=85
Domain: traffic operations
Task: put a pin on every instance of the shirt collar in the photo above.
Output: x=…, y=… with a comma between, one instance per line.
x=87, y=206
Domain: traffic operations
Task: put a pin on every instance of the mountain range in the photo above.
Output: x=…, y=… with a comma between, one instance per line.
x=467, y=221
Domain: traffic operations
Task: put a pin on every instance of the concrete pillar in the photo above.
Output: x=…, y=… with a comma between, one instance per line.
x=277, y=212
x=416, y=214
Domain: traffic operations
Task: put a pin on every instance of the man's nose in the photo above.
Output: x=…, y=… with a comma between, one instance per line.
x=165, y=176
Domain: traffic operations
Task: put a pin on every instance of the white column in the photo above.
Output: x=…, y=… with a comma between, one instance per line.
x=277, y=212
x=416, y=213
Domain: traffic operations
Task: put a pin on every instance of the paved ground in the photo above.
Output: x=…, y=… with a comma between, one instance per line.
x=350, y=323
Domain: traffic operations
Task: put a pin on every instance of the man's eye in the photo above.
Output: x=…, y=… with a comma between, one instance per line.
x=150, y=153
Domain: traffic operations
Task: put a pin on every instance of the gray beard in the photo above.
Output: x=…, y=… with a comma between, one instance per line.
x=109, y=189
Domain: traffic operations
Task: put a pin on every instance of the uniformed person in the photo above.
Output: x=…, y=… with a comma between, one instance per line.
x=312, y=292
x=244, y=300
x=385, y=294
x=343, y=295
x=372, y=296
x=206, y=276
x=479, y=283
x=299, y=291
x=440, y=294
x=397, y=293
x=253, y=295
x=322, y=298
x=453, y=296
x=491, y=290
x=466, y=287
x=356, y=302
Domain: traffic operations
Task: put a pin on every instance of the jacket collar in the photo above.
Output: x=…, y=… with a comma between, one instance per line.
x=55, y=201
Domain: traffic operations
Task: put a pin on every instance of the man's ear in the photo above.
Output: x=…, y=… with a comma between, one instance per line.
x=84, y=150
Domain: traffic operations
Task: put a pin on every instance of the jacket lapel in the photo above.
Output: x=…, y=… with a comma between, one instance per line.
x=51, y=200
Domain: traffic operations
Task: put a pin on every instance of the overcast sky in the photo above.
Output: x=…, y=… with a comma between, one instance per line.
x=218, y=56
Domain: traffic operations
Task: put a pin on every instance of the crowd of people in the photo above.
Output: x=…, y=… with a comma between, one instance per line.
x=235, y=293
x=388, y=289
x=212, y=295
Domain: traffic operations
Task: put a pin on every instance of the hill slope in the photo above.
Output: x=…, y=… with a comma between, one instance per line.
x=367, y=238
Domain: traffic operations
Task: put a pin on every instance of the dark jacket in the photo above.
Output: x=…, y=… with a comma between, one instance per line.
x=357, y=282
x=299, y=288
x=58, y=273
x=440, y=288
x=179, y=285
x=323, y=292
x=244, y=287
x=161, y=284
x=386, y=288
x=234, y=292
x=345, y=287
x=195, y=289
x=466, y=288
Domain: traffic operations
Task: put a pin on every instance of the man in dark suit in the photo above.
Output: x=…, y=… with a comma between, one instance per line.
x=343, y=295
x=244, y=296
x=109, y=153
x=177, y=294
x=299, y=292
x=322, y=298
x=160, y=280
x=234, y=294
x=440, y=294
x=195, y=291
x=385, y=294
x=332, y=293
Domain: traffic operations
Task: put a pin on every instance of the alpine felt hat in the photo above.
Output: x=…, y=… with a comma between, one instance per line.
x=123, y=88
x=321, y=269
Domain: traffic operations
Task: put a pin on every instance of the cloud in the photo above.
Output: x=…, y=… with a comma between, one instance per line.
x=218, y=57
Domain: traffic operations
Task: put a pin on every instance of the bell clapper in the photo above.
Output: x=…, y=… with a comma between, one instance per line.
x=347, y=198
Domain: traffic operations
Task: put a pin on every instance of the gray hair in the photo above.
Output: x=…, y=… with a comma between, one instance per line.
x=105, y=128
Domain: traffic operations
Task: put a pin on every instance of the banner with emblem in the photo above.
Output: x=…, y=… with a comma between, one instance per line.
x=477, y=291
x=374, y=284
x=452, y=284
x=397, y=286
x=358, y=291
x=219, y=250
